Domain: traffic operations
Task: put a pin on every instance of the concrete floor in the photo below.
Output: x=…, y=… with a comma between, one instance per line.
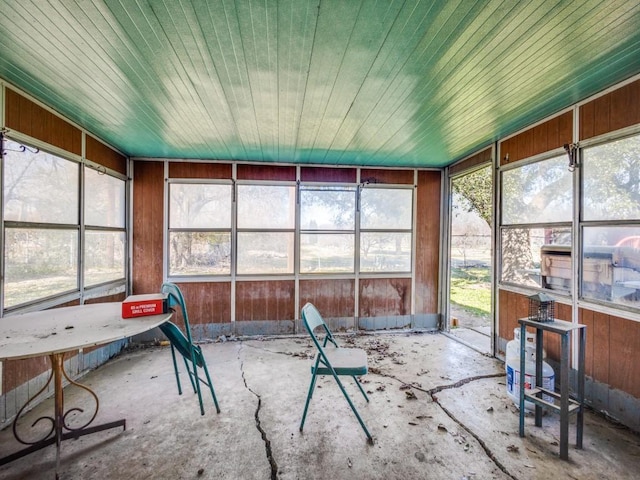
x=438, y=410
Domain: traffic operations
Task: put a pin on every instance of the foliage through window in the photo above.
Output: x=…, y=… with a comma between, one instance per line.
x=611, y=222
x=327, y=229
x=104, y=218
x=537, y=211
x=266, y=230
x=266, y=222
x=43, y=249
x=199, y=229
x=385, y=229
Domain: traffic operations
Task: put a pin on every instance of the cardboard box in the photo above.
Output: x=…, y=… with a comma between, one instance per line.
x=141, y=305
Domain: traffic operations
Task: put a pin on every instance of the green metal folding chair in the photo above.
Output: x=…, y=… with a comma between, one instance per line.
x=333, y=361
x=191, y=353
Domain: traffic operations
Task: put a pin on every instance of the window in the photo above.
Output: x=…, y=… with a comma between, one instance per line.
x=610, y=270
x=199, y=229
x=327, y=229
x=41, y=224
x=285, y=229
x=537, y=211
x=266, y=222
x=385, y=229
x=104, y=218
x=43, y=249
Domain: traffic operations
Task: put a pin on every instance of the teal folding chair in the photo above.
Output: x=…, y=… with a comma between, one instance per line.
x=191, y=353
x=333, y=361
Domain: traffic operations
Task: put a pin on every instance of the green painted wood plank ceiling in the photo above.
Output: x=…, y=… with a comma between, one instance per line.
x=340, y=82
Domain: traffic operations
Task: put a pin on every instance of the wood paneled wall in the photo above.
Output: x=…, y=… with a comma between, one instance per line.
x=265, y=300
x=427, y=241
x=335, y=298
x=25, y=116
x=326, y=174
x=549, y=135
x=513, y=306
x=613, y=111
x=613, y=343
x=473, y=161
x=378, y=175
x=98, y=152
x=147, y=227
x=207, y=302
x=613, y=347
x=200, y=170
x=266, y=172
x=380, y=297
x=275, y=299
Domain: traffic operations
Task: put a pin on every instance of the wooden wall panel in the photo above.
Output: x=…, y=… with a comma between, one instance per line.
x=265, y=300
x=266, y=172
x=427, y=241
x=117, y=297
x=332, y=298
x=552, y=134
x=147, y=226
x=473, y=161
x=31, y=119
x=585, y=317
x=207, y=302
x=325, y=174
x=384, y=297
x=612, y=354
x=98, y=152
x=17, y=372
x=613, y=111
x=514, y=306
x=200, y=170
x=601, y=347
x=399, y=177
x=624, y=355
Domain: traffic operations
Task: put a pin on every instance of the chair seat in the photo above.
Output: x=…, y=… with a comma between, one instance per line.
x=345, y=361
x=181, y=343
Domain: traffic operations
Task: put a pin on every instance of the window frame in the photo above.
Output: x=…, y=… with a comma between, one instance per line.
x=391, y=230
x=329, y=186
x=503, y=227
x=582, y=224
x=238, y=231
x=181, y=277
x=84, y=228
x=297, y=231
x=81, y=291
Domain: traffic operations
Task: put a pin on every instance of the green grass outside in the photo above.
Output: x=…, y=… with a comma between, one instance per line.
x=471, y=289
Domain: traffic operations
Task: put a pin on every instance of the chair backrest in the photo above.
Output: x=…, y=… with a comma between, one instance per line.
x=312, y=320
x=175, y=298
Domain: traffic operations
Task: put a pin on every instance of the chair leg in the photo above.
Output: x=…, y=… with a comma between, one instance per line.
x=196, y=381
x=210, y=384
x=361, y=389
x=309, y=395
x=190, y=373
x=175, y=369
x=353, y=407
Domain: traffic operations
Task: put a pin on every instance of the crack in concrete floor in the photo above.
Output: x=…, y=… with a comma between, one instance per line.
x=263, y=433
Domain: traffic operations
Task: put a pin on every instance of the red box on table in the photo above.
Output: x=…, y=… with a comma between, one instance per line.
x=142, y=305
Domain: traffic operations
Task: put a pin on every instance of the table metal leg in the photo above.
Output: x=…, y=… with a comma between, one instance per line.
x=60, y=430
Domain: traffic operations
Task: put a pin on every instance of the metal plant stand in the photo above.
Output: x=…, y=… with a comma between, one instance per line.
x=568, y=405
